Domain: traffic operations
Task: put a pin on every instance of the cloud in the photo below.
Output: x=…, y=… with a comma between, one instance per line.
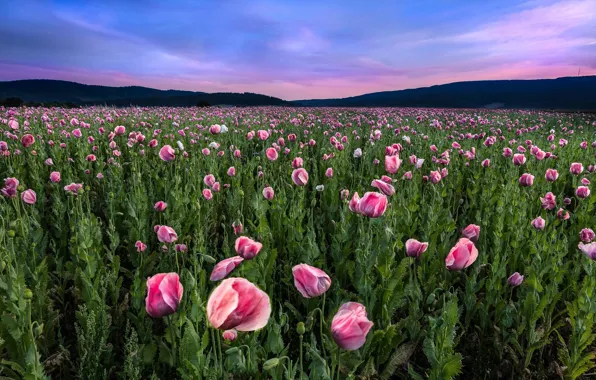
x=539, y=23
x=303, y=42
x=545, y=30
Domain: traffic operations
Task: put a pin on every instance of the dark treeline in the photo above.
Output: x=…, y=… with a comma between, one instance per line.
x=46, y=92
x=571, y=93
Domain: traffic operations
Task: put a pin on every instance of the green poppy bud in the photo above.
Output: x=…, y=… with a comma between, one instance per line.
x=270, y=364
x=300, y=329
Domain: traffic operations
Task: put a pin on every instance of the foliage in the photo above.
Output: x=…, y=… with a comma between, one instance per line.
x=73, y=283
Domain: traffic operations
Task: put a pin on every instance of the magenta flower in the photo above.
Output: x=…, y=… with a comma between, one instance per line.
x=549, y=202
x=588, y=250
x=515, y=279
x=462, y=255
x=350, y=326
x=538, y=223
x=414, y=248
x=166, y=234
x=141, y=247
x=164, y=292
x=268, y=193
x=74, y=188
x=586, y=235
x=247, y=248
x=160, y=206
x=310, y=281
x=238, y=304
x=28, y=196
x=225, y=267
x=300, y=177
x=167, y=153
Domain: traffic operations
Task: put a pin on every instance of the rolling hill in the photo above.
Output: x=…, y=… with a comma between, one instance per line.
x=569, y=93
x=57, y=91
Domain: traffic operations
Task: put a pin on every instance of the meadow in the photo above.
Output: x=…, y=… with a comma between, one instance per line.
x=296, y=243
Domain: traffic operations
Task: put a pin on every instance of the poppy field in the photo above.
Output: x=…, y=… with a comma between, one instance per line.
x=296, y=243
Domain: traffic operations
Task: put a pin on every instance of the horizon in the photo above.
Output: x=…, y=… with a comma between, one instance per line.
x=295, y=50
x=409, y=88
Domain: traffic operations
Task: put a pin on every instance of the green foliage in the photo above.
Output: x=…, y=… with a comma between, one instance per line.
x=576, y=355
x=93, y=347
x=73, y=282
x=439, y=344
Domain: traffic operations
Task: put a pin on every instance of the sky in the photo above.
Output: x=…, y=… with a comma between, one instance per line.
x=295, y=49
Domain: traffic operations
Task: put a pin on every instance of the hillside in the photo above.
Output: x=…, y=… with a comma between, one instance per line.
x=56, y=91
x=570, y=93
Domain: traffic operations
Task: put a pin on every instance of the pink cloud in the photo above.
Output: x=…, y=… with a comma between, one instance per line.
x=102, y=78
x=304, y=42
x=542, y=23
x=548, y=30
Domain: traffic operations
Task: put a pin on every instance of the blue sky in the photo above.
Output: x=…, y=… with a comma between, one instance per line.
x=294, y=49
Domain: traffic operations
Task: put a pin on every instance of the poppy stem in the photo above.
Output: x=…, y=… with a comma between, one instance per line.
x=218, y=339
x=248, y=354
x=213, y=344
x=337, y=372
x=17, y=207
x=173, y=338
x=176, y=255
x=321, y=326
x=301, y=368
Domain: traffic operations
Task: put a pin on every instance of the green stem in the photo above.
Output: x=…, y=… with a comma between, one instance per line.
x=218, y=342
x=173, y=338
x=32, y=335
x=176, y=256
x=337, y=372
x=18, y=209
x=211, y=331
x=301, y=368
x=248, y=356
x=321, y=326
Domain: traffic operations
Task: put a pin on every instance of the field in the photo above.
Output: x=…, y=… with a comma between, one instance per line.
x=439, y=244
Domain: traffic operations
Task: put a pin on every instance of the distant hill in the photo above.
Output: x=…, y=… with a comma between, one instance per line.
x=569, y=93
x=57, y=91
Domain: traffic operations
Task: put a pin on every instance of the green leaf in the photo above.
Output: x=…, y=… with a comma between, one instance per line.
x=14, y=366
x=11, y=325
x=452, y=366
x=413, y=374
x=165, y=354
x=399, y=357
x=149, y=352
x=532, y=281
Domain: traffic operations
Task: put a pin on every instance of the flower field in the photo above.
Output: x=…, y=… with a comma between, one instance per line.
x=296, y=243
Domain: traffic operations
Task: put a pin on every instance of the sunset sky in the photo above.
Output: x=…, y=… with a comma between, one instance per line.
x=297, y=49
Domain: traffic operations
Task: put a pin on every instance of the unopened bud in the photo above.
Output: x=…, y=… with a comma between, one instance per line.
x=270, y=364
x=209, y=259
